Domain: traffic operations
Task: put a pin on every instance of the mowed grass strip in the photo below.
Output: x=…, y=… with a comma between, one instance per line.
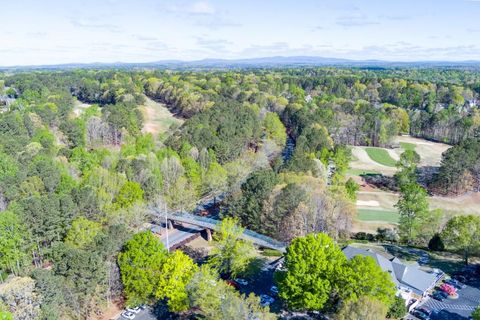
x=408, y=146
x=361, y=172
x=381, y=156
x=378, y=215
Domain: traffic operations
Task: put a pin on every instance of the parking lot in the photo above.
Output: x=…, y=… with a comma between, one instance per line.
x=146, y=314
x=461, y=308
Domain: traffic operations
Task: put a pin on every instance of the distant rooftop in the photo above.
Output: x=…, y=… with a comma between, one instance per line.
x=404, y=276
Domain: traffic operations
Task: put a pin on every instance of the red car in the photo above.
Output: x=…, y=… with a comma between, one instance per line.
x=233, y=284
x=451, y=290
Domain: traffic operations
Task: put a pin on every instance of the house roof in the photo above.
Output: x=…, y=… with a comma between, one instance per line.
x=409, y=276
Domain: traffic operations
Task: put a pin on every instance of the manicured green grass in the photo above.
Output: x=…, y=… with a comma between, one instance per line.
x=361, y=172
x=407, y=146
x=271, y=253
x=378, y=215
x=381, y=156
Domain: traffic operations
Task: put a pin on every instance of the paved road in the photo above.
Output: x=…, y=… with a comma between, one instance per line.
x=179, y=234
x=262, y=282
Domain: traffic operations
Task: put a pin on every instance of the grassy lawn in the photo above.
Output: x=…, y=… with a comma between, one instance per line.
x=446, y=261
x=407, y=146
x=378, y=215
x=381, y=156
x=361, y=172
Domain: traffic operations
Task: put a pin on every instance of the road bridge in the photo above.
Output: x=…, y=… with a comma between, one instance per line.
x=210, y=224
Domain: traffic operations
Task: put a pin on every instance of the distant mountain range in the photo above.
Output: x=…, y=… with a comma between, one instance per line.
x=265, y=62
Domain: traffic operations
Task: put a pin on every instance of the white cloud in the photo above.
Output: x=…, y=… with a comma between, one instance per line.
x=201, y=7
x=193, y=8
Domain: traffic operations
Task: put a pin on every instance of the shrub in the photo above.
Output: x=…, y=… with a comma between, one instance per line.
x=436, y=243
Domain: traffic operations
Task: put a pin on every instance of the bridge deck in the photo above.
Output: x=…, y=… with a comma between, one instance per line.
x=212, y=224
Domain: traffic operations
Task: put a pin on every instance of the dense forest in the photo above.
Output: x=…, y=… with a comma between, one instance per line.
x=75, y=186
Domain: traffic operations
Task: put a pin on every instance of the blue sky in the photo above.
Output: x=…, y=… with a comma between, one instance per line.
x=60, y=31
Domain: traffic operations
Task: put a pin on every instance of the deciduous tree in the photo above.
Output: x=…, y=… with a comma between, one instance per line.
x=176, y=272
x=140, y=263
x=312, y=265
x=365, y=308
x=231, y=255
x=462, y=233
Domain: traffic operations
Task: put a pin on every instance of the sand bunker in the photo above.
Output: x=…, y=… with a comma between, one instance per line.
x=368, y=203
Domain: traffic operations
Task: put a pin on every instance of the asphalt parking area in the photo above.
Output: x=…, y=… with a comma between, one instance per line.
x=461, y=308
x=146, y=314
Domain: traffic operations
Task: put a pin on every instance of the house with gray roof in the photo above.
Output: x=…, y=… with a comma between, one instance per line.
x=407, y=278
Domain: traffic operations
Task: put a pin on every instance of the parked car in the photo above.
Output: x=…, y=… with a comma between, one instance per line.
x=242, y=282
x=134, y=309
x=459, y=277
x=128, y=315
x=266, y=300
x=274, y=290
x=233, y=284
x=423, y=260
x=457, y=284
x=449, y=289
x=420, y=315
x=438, y=295
x=428, y=312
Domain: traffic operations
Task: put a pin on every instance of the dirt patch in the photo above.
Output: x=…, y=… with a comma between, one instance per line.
x=79, y=108
x=112, y=312
x=157, y=118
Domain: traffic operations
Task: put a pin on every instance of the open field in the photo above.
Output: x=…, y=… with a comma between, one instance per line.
x=362, y=162
x=360, y=172
x=367, y=160
x=157, y=117
x=378, y=215
x=407, y=146
x=376, y=207
x=430, y=152
x=381, y=156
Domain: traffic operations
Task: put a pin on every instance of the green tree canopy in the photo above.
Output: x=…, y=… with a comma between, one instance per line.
x=13, y=241
x=407, y=166
x=462, y=233
x=413, y=209
x=365, y=308
x=140, y=263
x=275, y=129
x=230, y=254
x=476, y=314
x=82, y=232
x=176, y=273
x=216, y=300
x=361, y=277
x=130, y=193
x=312, y=265
x=398, y=309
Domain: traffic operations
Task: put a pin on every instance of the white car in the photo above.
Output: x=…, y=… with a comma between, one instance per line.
x=266, y=300
x=274, y=290
x=128, y=315
x=134, y=309
x=242, y=282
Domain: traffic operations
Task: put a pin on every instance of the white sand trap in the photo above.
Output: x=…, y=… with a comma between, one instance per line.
x=393, y=154
x=368, y=203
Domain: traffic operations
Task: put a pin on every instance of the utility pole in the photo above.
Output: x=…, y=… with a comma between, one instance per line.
x=166, y=227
